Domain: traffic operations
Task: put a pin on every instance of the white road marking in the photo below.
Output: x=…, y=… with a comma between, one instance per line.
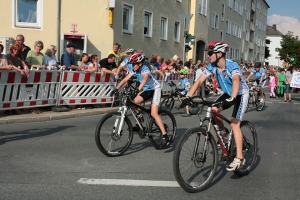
x=128, y=182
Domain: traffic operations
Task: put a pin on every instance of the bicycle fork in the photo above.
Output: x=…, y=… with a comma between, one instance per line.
x=119, y=121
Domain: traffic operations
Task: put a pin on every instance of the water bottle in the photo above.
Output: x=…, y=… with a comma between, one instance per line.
x=223, y=133
x=140, y=117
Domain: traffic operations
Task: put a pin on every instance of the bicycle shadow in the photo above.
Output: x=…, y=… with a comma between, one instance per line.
x=29, y=133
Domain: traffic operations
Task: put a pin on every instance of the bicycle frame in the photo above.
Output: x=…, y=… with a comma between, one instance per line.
x=210, y=114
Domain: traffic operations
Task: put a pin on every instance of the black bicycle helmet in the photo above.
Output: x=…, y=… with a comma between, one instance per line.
x=257, y=64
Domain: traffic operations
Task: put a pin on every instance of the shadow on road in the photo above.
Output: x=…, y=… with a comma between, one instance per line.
x=29, y=133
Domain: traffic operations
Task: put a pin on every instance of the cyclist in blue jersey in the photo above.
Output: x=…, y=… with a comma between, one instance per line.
x=260, y=74
x=149, y=88
x=125, y=64
x=236, y=93
x=185, y=84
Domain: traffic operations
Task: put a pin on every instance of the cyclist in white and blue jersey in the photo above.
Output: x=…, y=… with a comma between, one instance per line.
x=236, y=93
x=149, y=87
x=125, y=64
x=260, y=74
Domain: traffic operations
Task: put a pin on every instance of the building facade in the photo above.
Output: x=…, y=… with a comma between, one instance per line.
x=274, y=36
x=150, y=25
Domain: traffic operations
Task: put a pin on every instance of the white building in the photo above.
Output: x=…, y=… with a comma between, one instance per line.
x=275, y=38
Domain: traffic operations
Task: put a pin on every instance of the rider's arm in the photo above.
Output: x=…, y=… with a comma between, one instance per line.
x=251, y=73
x=197, y=84
x=145, y=78
x=261, y=78
x=235, y=85
x=124, y=80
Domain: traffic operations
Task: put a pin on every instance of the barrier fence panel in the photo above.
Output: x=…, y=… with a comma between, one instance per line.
x=39, y=89
x=86, y=88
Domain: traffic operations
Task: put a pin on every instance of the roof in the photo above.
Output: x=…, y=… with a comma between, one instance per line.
x=266, y=3
x=271, y=30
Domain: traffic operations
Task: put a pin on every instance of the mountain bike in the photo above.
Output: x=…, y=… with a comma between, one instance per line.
x=169, y=101
x=195, y=158
x=114, y=131
x=254, y=97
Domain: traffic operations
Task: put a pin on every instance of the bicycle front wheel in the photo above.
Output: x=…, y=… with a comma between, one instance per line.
x=167, y=103
x=195, y=160
x=260, y=105
x=155, y=134
x=108, y=141
x=249, y=148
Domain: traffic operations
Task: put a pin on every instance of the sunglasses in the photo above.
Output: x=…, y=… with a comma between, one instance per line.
x=210, y=53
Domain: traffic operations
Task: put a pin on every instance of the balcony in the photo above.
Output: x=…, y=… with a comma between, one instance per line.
x=252, y=27
x=253, y=7
x=251, y=45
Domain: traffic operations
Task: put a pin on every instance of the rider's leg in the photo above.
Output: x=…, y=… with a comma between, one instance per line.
x=138, y=100
x=154, y=114
x=238, y=137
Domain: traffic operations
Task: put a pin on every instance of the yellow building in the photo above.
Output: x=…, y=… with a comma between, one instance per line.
x=95, y=25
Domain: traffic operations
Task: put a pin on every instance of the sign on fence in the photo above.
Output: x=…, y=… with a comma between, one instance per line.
x=296, y=80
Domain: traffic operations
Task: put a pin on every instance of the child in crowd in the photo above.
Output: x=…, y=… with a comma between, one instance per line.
x=272, y=85
x=185, y=84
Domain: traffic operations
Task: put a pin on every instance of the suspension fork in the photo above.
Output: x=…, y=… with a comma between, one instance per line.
x=123, y=111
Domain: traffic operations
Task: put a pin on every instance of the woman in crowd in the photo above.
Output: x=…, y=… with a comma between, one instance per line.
x=15, y=59
x=287, y=87
x=94, y=65
x=50, y=57
x=83, y=62
x=35, y=58
x=281, y=80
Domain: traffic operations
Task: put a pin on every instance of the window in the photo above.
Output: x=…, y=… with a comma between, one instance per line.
x=179, y=1
x=148, y=24
x=127, y=26
x=228, y=26
x=223, y=12
x=236, y=6
x=230, y=3
x=163, y=28
x=221, y=38
x=215, y=20
x=28, y=13
x=202, y=7
x=176, y=31
x=241, y=9
x=248, y=15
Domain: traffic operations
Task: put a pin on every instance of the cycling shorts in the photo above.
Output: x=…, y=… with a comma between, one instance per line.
x=262, y=83
x=240, y=105
x=154, y=94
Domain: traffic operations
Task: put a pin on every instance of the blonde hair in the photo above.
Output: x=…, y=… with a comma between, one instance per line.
x=49, y=51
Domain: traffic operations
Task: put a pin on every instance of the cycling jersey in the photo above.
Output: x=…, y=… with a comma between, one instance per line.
x=151, y=83
x=184, y=82
x=258, y=73
x=126, y=63
x=225, y=77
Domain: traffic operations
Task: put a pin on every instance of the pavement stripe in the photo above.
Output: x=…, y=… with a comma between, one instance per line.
x=128, y=182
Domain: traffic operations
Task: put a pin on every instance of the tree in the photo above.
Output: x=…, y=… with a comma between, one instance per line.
x=290, y=47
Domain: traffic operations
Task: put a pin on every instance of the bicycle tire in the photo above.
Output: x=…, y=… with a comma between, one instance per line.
x=104, y=133
x=197, y=108
x=167, y=103
x=196, y=169
x=155, y=134
x=260, y=106
x=250, y=146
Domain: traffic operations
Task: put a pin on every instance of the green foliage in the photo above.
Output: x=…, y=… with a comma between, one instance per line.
x=290, y=47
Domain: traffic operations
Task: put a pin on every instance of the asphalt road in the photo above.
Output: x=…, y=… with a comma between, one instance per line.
x=54, y=160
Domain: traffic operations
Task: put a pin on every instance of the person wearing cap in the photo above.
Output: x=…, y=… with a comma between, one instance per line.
x=260, y=74
x=236, y=93
x=67, y=59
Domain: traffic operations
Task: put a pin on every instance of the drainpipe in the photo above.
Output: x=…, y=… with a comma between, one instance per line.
x=58, y=30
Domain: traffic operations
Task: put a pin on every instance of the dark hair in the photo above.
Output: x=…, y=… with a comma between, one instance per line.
x=153, y=60
x=1, y=47
x=257, y=64
x=84, y=54
x=111, y=56
x=22, y=36
x=93, y=56
x=290, y=69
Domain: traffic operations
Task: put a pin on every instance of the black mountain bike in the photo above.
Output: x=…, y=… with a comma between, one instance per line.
x=114, y=132
x=195, y=158
x=169, y=101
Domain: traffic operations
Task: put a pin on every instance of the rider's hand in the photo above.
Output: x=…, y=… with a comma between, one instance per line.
x=117, y=78
x=114, y=92
x=228, y=102
x=185, y=101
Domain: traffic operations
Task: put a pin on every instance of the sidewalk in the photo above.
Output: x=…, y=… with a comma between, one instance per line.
x=50, y=115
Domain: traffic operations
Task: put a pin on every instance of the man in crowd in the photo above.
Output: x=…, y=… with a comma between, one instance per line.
x=116, y=53
x=67, y=59
x=25, y=49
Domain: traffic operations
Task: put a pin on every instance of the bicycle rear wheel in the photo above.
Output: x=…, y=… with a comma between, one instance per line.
x=108, y=141
x=194, y=169
x=167, y=103
x=260, y=105
x=155, y=134
x=249, y=148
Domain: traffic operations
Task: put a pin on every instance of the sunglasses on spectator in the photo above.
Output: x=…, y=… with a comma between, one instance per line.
x=210, y=53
